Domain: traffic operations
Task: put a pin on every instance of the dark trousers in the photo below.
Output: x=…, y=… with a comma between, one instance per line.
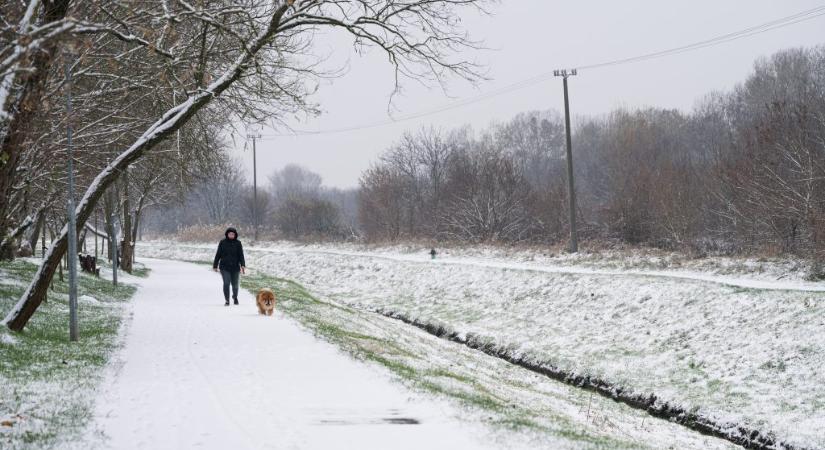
x=230, y=277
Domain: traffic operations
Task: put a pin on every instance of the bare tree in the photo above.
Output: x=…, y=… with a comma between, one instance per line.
x=346, y=203
x=294, y=182
x=744, y=171
x=489, y=199
x=304, y=208
x=28, y=48
x=773, y=179
x=245, y=55
x=306, y=217
x=380, y=213
x=220, y=195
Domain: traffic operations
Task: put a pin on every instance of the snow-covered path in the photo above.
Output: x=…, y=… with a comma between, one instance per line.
x=196, y=374
x=749, y=356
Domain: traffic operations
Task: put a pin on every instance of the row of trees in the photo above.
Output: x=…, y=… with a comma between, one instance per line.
x=156, y=84
x=506, y=185
x=294, y=205
x=744, y=171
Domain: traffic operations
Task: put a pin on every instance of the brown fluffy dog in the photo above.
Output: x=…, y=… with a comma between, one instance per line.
x=266, y=301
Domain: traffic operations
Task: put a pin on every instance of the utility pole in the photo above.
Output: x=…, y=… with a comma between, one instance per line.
x=571, y=187
x=114, y=250
x=177, y=141
x=73, y=332
x=255, y=185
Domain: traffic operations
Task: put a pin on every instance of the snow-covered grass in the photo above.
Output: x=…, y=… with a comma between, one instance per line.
x=46, y=382
x=532, y=411
x=699, y=338
x=776, y=272
x=775, y=268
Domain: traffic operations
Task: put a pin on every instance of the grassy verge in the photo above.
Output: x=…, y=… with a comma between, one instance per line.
x=46, y=381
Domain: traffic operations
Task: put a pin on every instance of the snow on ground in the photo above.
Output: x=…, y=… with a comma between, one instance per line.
x=714, y=268
x=194, y=373
x=6, y=338
x=719, y=344
x=88, y=299
x=746, y=273
x=46, y=382
x=522, y=404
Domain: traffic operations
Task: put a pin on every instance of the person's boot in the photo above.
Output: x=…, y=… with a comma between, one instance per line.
x=227, y=303
x=236, y=300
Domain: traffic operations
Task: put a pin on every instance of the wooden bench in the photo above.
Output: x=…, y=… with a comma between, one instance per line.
x=88, y=263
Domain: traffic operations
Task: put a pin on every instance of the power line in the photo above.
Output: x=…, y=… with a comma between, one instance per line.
x=793, y=19
x=747, y=32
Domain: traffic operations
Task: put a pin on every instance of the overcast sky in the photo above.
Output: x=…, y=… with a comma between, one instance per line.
x=531, y=37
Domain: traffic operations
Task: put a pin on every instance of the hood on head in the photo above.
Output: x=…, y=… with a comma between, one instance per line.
x=232, y=230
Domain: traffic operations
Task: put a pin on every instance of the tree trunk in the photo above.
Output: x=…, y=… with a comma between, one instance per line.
x=135, y=228
x=136, y=225
x=59, y=260
x=97, y=255
x=103, y=245
x=81, y=242
x=8, y=243
x=43, y=248
x=108, y=218
x=26, y=106
x=126, y=245
x=38, y=226
x=126, y=251
x=173, y=119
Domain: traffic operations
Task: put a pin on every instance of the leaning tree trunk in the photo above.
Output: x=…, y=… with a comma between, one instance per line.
x=173, y=119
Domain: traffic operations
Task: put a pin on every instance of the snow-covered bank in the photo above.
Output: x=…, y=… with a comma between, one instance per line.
x=736, y=353
x=520, y=404
x=749, y=274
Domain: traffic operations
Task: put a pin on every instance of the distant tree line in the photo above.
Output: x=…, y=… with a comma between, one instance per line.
x=292, y=205
x=744, y=171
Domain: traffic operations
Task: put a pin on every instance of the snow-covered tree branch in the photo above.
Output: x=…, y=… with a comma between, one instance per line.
x=143, y=72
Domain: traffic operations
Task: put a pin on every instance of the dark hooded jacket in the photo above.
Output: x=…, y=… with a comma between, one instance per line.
x=230, y=253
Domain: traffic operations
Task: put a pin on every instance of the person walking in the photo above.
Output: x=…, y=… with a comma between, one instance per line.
x=229, y=258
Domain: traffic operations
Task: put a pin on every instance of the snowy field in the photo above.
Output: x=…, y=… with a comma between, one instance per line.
x=731, y=344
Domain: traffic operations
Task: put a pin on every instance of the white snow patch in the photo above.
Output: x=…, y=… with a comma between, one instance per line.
x=7, y=339
x=88, y=299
